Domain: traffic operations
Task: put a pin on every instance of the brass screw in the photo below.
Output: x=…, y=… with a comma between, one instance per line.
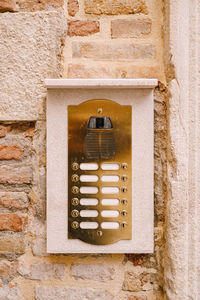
x=75, y=213
x=124, y=166
x=75, y=225
x=75, y=201
x=75, y=178
x=124, y=189
x=124, y=212
x=124, y=178
x=124, y=225
x=99, y=233
x=75, y=190
x=124, y=201
x=100, y=110
x=75, y=166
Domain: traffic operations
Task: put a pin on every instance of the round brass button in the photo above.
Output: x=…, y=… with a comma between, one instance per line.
x=75, y=166
x=75, y=178
x=124, y=166
x=124, y=178
x=124, y=189
x=124, y=201
x=124, y=225
x=99, y=233
x=75, y=201
x=100, y=110
x=124, y=212
x=75, y=225
x=75, y=213
x=75, y=190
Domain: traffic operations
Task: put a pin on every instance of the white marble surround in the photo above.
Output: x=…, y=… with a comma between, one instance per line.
x=135, y=92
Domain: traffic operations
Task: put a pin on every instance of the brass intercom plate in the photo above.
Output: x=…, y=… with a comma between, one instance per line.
x=100, y=132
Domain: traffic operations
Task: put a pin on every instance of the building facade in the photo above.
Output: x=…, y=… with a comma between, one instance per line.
x=99, y=39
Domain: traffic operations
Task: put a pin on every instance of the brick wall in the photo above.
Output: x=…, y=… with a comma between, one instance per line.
x=114, y=39
x=104, y=39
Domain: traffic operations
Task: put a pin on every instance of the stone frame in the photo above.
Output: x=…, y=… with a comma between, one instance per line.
x=182, y=257
x=137, y=92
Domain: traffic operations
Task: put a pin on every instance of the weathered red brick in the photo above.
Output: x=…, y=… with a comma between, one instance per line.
x=113, y=51
x=136, y=259
x=8, y=270
x=98, y=272
x=115, y=7
x=11, y=245
x=35, y=5
x=82, y=28
x=130, y=28
x=10, y=291
x=30, y=132
x=7, y=5
x=43, y=271
x=116, y=70
x=12, y=222
x=140, y=297
x=17, y=200
x=132, y=282
x=73, y=7
x=9, y=174
x=11, y=151
x=135, y=282
x=3, y=131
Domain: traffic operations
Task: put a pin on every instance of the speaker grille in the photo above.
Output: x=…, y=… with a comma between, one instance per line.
x=99, y=145
x=107, y=145
x=91, y=145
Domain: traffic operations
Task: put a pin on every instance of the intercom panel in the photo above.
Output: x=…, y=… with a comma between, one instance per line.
x=99, y=172
x=100, y=165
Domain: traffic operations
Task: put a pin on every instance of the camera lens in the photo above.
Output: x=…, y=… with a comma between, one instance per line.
x=99, y=123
